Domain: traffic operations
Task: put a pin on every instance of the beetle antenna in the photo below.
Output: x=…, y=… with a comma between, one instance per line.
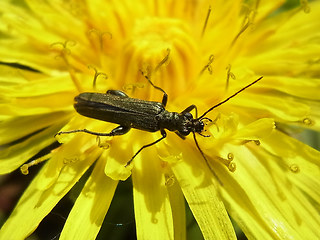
x=205, y=159
x=227, y=99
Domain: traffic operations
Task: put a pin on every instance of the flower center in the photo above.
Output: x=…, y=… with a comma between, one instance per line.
x=150, y=41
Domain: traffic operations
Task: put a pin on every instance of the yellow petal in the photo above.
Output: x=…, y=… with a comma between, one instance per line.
x=256, y=130
x=15, y=155
x=202, y=195
x=90, y=208
x=278, y=106
x=69, y=153
x=35, y=204
x=263, y=202
x=15, y=128
x=118, y=156
x=305, y=162
x=178, y=207
x=292, y=86
x=152, y=208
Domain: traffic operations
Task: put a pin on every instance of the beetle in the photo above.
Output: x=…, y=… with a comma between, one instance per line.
x=115, y=106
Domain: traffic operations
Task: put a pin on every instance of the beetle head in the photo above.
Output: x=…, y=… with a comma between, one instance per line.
x=189, y=124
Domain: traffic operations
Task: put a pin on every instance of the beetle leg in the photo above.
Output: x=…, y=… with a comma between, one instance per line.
x=120, y=130
x=164, y=135
x=190, y=108
x=164, y=99
x=117, y=93
x=180, y=135
x=165, y=95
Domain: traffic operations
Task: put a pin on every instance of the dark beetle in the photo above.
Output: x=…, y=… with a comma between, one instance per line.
x=117, y=107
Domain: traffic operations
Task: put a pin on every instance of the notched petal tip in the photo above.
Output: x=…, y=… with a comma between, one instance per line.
x=118, y=171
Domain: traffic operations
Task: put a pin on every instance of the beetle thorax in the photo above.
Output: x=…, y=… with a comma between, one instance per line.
x=168, y=120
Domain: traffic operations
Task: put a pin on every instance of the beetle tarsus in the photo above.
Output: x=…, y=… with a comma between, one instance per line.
x=120, y=130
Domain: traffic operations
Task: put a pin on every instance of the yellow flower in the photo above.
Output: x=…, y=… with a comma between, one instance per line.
x=267, y=181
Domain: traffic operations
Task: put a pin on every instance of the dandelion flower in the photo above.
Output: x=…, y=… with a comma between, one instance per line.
x=257, y=173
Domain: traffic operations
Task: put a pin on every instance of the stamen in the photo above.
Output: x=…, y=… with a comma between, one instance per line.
x=104, y=145
x=251, y=11
x=247, y=23
x=100, y=36
x=206, y=21
x=131, y=87
x=229, y=75
x=294, y=168
x=255, y=10
x=96, y=75
x=65, y=50
x=147, y=71
x=165, y=60
x=228, y=162
x=208, y=66
x=169, y=180
x=25, y=167
x=63, y=54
